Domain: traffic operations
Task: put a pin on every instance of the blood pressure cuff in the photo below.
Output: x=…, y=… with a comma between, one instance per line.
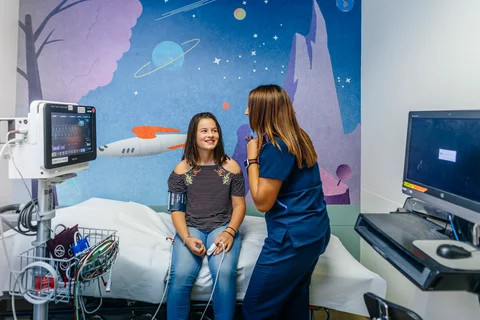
x=177, y=202
x=60, y=247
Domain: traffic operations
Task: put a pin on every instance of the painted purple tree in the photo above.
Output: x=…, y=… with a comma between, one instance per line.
x=67, y=48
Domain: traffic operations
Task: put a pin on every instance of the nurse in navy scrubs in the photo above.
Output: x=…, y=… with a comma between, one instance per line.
x=284, y=180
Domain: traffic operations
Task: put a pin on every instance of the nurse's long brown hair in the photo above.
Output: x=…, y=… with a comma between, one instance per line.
x=271, y=113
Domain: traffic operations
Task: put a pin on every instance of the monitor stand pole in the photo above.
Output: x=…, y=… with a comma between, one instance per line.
x=46, y=212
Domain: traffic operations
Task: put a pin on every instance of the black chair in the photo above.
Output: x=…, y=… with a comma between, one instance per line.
x=382, y=309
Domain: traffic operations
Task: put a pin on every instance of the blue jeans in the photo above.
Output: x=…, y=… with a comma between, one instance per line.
x=184, y=271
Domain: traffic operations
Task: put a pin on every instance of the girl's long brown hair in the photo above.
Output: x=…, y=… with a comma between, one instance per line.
x=190, y=152
x=271, y=113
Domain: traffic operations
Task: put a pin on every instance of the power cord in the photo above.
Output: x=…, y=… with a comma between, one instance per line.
x=216, y=279
x=167, y=279
x=36, y=298
x=450, y=218
x=10, y=207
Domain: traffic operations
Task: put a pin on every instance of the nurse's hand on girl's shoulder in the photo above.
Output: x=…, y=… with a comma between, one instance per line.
x=252, y=148
x=196, y=246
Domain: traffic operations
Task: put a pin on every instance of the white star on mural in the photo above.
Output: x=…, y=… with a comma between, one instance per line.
x=275, y=38
x=136, y=92
x=217, y=61
x=348, y=80
x=254, y=53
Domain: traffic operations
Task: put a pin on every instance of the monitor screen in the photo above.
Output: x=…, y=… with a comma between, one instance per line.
x=443, y=157
x=70, y=135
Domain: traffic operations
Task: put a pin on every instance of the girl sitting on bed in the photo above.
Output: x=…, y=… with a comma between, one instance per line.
x=215, y=208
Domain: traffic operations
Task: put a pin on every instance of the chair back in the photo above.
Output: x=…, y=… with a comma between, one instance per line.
x=381, y=309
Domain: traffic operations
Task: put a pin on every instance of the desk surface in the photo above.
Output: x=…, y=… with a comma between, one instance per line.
x=430, y=305
x=392, y=236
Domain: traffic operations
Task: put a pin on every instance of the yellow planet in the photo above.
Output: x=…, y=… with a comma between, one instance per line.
x=239, y=14
x=167, y=54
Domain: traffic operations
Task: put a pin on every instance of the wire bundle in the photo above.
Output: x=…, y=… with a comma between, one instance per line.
x=25, y=220
x=98, y=260
x=93, y=265
x=24, y=224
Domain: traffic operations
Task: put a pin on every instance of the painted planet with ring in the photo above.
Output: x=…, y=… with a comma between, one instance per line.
x=167, y=55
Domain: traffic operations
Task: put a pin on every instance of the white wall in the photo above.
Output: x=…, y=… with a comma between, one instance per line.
x=8, y=63
x=416, y=55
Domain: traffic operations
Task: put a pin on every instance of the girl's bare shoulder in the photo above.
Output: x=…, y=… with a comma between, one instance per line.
x=182, y=167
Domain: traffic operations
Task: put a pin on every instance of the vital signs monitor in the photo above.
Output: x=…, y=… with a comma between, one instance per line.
x=56, y=138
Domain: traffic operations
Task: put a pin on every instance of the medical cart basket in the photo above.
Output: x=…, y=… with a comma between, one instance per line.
x=40, y=279
x=41, y=287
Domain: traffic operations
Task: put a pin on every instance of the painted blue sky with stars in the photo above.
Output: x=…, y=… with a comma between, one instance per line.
x=230, y=58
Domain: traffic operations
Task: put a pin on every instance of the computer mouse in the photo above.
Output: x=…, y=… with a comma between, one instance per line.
x=450, y=251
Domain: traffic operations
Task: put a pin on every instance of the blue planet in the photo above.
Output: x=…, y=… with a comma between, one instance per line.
x=345, y=5
x=168, y=54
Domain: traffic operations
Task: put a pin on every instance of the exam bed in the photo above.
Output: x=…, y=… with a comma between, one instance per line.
x=338, y=282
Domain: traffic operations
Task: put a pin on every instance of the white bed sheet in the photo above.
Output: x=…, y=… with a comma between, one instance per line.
x=338, y=282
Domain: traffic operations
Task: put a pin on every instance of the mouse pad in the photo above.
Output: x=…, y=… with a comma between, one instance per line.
x=429, y=247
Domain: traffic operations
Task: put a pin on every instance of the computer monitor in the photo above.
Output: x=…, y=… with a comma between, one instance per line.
x=442, y=161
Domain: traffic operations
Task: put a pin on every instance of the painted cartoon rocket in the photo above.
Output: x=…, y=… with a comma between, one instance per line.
x=147, y=142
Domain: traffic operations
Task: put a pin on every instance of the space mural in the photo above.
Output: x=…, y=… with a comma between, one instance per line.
x=148, y=66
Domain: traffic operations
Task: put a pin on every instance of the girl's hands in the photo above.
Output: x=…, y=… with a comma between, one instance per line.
x=196, y=246
x=227, y=241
